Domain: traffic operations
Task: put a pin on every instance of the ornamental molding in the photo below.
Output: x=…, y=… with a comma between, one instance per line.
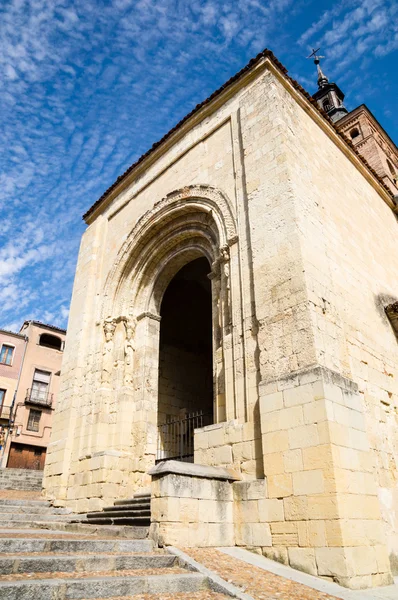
x=190, y=200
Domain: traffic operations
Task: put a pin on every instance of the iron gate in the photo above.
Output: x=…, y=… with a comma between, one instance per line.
x=175, y=437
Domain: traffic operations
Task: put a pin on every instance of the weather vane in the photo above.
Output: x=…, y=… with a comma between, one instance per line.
x=314, y=55
x=322, y=79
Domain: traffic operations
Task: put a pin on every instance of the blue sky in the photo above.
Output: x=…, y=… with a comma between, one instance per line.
x=88, y=86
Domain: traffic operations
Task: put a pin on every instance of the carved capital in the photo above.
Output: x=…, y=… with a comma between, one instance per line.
x=109, y=328
x=224, y=254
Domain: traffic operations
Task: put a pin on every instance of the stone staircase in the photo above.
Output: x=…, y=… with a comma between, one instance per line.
x=20, y=479
x=41, y=557
x=32, y=513
x=134, y=512
x=49, y=569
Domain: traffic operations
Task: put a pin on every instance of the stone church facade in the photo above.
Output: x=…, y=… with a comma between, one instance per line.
x=229, y=311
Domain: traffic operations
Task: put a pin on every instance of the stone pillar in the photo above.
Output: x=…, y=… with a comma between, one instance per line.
x=107, y=353
x=317, y=459
x=146, y=383
x=129, y=348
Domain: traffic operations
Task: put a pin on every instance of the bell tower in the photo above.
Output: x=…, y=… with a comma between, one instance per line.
x=329, y=96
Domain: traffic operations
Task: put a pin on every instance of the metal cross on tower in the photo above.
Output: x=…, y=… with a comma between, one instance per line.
x=314, y=54
x=322, y=79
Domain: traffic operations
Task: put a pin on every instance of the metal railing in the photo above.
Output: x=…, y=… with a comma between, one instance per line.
x=175, y=437
x=38, y=397
x=5, y=412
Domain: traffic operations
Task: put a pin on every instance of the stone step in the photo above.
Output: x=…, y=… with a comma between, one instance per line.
x=101, y=587
x=20, y=479
x=129, y=520
x=64, y=545
x=14, y=517
x=16, y=502
x=138, y=506
x=135, y=500
x=138, y=532
x=21, y=486
x=132, y=514
x=33, y=510
x=15, y=563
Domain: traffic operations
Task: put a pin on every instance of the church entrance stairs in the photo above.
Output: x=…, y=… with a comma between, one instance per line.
x=134, y=512
x=51, y=554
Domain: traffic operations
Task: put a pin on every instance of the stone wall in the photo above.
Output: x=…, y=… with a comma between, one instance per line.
x=348, y=248
x=231, y=445
x=318, y=464
x=191, y=506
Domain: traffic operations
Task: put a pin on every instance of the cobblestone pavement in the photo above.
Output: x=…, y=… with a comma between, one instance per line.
x=254, y=581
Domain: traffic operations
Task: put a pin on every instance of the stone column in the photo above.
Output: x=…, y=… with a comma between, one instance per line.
x=146, y=383
x=218, y=357
x=107, y=353
x=227, y=338
x=130, y=325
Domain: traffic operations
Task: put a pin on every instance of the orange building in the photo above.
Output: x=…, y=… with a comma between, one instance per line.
x=30, y=366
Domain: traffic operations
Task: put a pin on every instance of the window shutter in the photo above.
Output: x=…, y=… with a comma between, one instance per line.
x=42, y=376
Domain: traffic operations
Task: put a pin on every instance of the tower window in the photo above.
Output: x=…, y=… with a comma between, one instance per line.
x=325, y=105
x=354, y=133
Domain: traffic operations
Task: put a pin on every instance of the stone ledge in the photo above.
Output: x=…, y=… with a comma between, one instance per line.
x=176, y=467
x=310, y=375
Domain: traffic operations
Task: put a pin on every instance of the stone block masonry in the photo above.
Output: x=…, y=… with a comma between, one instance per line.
x=318, y=466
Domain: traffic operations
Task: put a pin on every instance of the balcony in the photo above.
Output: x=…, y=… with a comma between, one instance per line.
x=5, y=412
x=38, y=397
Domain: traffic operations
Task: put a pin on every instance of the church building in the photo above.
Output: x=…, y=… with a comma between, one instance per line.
x=232, y=345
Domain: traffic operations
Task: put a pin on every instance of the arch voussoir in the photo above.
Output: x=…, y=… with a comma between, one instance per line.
x=196, y=220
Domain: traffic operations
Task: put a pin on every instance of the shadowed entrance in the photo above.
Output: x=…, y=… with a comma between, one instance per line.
x=185, y=361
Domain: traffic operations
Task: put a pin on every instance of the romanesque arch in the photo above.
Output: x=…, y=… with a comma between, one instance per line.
x=197, y=221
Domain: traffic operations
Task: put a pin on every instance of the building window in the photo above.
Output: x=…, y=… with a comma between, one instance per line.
x=34, y=420
x=325, y=105
x=6, y=354
x=2, y=396
x=50, y=341
x=354, y=133
x=392, y=170
x=40, y=385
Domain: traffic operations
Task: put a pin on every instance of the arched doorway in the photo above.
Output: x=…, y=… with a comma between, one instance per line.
x=185, y=391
